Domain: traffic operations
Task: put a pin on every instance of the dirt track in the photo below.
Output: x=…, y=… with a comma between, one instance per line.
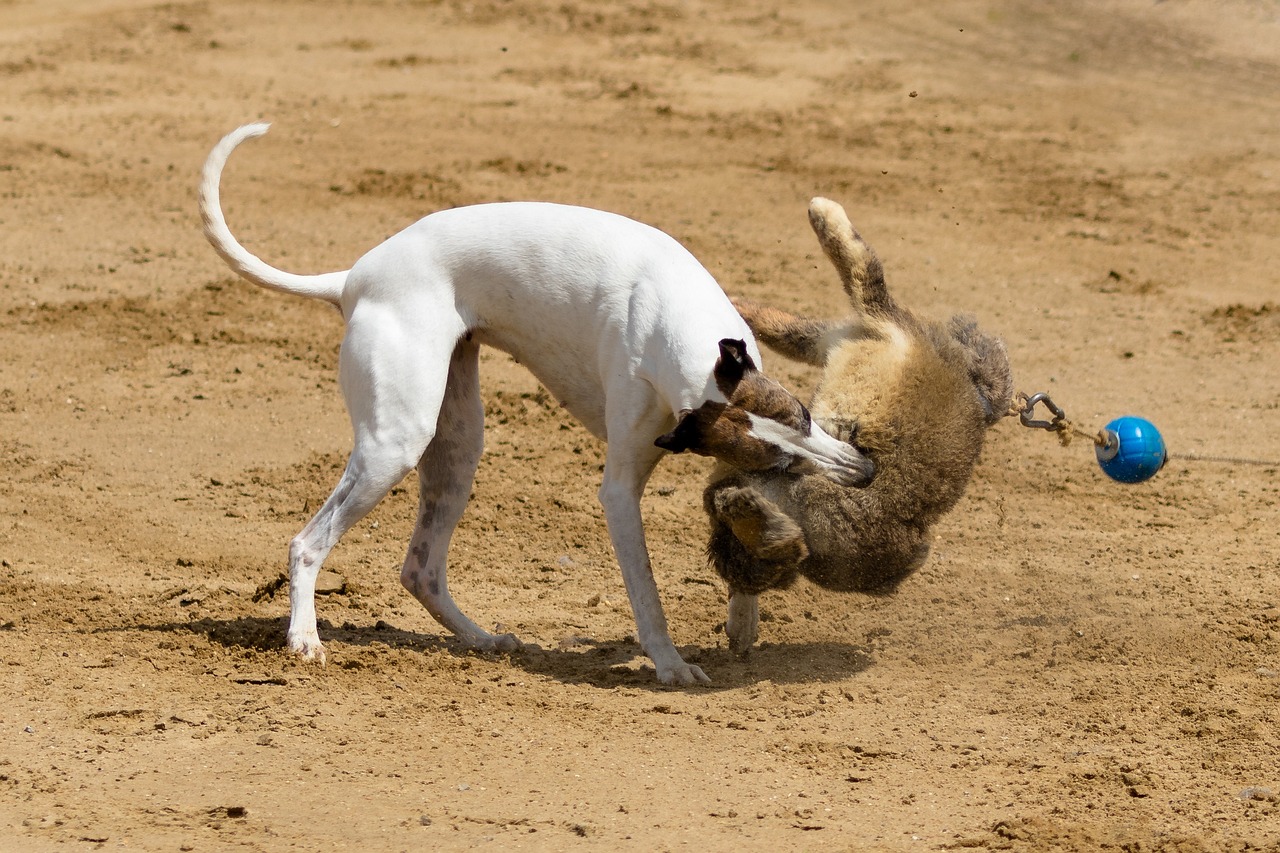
x=1080, y=665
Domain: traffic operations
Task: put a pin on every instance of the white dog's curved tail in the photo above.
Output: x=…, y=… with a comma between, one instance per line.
x=326, y=286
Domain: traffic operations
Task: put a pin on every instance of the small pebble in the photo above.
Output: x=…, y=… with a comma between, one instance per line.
x=330, y=583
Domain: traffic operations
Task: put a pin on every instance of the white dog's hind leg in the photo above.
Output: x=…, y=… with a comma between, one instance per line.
x=629, y=460
x=445, y=474
x=364, y=482
x=393, y=394
x=354, y=496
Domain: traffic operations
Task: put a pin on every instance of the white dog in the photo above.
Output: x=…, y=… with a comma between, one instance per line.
x=615, y=318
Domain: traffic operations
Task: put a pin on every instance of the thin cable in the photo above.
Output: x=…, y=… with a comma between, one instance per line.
x=1230, y=460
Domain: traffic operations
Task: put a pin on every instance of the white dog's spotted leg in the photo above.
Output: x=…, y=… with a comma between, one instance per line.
x=393, y=398
x=304, y=566
x=355, y=495
x=445, y=474
x=743, y=622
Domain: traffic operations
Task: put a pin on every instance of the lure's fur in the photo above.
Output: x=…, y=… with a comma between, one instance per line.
x=914, y=395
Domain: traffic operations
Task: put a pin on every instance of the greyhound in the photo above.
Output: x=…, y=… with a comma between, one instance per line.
x=617, y=319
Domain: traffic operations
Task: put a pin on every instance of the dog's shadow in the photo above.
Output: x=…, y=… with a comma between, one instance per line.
x=611, y=664
x=606, y=664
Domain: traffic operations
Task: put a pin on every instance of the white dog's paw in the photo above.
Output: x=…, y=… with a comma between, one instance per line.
x=308, y=647
x=486, y=642
x=682, y=675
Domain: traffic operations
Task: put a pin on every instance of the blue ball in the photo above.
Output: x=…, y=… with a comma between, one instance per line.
x=1134, y=450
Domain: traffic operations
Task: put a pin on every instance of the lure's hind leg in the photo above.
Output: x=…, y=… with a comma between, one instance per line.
x=445, y=475
x=742, y=625
x=755, y=546
x=764, y=530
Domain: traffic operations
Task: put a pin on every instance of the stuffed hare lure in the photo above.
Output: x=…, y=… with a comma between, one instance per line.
x=914, y=395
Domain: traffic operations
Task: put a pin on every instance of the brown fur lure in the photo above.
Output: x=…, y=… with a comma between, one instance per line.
x=916, y=396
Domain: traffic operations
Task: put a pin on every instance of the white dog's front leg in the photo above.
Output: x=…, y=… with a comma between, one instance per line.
x=620, y=497
x=743, y=622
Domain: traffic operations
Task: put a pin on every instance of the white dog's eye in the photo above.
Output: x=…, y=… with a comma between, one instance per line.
x=806, y=420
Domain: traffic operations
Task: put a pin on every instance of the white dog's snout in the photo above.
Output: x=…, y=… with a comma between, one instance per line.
x=859, y=474
x=815, y=453
x=838, y=460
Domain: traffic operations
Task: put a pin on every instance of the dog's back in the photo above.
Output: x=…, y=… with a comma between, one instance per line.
x=621, y=300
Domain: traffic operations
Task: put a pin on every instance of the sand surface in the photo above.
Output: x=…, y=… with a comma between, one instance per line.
x=1080, y=666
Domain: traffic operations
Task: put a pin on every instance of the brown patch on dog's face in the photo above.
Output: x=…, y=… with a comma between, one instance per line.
x=762, y=427
x=723, y=432
x=747, y=388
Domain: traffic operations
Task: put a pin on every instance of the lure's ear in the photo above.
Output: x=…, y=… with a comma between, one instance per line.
x=988, y=366
x=800, y=338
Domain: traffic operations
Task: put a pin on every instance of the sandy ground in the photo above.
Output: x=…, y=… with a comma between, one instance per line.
x=1080, y=666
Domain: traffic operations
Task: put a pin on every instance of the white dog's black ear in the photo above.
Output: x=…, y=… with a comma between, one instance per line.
x=734, y=363
x=684, y=437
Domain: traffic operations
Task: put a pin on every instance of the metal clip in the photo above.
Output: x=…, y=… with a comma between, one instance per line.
x=1025, y=415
